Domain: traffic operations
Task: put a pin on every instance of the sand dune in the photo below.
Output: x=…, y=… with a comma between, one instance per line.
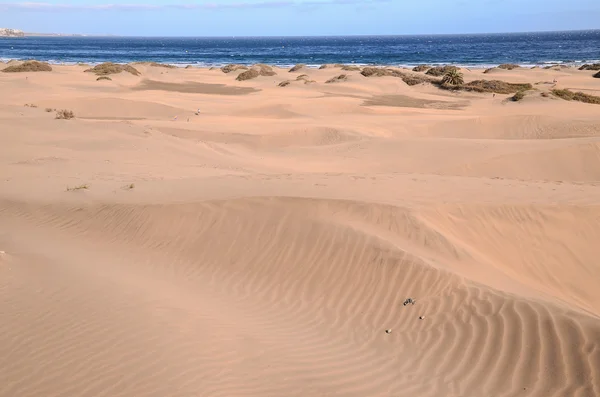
x=264, y=246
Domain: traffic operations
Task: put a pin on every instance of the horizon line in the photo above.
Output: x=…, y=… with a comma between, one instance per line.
x=34, y=34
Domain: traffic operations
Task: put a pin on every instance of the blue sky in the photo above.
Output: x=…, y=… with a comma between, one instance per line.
x=297, y=17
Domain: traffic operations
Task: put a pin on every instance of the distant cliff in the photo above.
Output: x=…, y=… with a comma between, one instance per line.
x=5, y=32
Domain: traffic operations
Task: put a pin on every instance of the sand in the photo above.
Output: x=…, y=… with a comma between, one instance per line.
x=264, y=246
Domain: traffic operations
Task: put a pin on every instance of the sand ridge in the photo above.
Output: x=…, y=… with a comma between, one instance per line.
x=263, y=246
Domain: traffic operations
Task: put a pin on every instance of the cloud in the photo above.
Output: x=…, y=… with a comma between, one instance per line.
x=35, y=6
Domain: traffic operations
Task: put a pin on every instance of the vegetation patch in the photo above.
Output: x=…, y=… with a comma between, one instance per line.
x=284, y=83
x=297, y=68
x=248, y=75
x=518, y=96
x=65, y=114
x=494, y=86
x=597, y=75
x=421, y=68
x=410, y=79
x=103, y=78
x=439, y=71
x=80, y=187
x=351, y=68
x=232, y=68
x=593, y=66
x=264, y=70
x=29, y=66
x=380, y=72
x=453, y=77
x=576, y=96
x=508, y=66
x=256, y=70
x=337, y=79
x=331, y=65
x=156, y=65
x=112, y=68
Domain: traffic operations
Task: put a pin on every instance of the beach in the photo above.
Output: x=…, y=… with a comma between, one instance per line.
x=189, y=234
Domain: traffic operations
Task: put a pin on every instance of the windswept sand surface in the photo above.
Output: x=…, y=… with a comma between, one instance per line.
x=263, y=247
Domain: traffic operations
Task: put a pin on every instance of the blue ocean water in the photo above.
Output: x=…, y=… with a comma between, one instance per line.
x=469, y=50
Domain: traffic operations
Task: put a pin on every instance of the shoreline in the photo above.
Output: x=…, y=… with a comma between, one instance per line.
x=566, y=64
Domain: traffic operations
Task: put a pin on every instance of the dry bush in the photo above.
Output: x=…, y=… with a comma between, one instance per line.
x=305, y=78
x=48, y=110
x=156, y=65
x=337, y=79
x=80, y=187
x=284, y=83
x=593, y=66
x=380, y=72
x=495, y=86
x=545, y=94
x=29, y=66
x=264, y=70
x=103, y=78
x=233, y=67
x=508, y=66
x=518, y=96
x=351, y=68
x=331, y=65
x=297, y=68
x=439, y=71
x=421, y=68
x=248, y=75
x=597, y=75
x=414, y=79
x=65, y=114
x=576, y=96
x=112, y=68
x=256, y=70
x=30, y=105
x=410, y=79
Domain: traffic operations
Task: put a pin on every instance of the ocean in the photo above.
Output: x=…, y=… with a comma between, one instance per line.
x=470, y=50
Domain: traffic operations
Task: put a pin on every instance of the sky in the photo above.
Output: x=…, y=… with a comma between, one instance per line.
x=297, y=17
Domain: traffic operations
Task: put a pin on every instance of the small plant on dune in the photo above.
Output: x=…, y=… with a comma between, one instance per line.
x=80, y=187
x=439, y=71
x=131, y=186
x=103, y=78
x=593, y=66
x=248, y=75
x=518, y=96
x=421, y=68
x=453, y=77
x=297, y=68
x=30, y=105
x=284, y=83
x=337, y=79
x=508, y=66
x=597, y=75
x=48, y=110
x=576, y=96
x=351, y=68
x=65, y=114
x=112, y=68
x=29, y=66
